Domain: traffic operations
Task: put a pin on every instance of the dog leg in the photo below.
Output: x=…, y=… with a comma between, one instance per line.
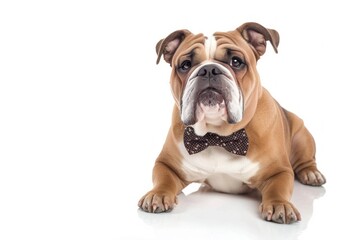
x=303, y=159
x=303, y=153
x=162, y=198
x=276, y=193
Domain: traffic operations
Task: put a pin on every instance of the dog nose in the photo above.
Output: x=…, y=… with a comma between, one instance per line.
x=209, y=71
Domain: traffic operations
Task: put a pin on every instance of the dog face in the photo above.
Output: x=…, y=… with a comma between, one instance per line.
x=213, y=78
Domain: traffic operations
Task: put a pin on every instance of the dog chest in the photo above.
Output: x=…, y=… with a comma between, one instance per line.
x=222, y=170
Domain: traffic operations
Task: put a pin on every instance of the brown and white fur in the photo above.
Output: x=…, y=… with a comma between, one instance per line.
x=280, y=147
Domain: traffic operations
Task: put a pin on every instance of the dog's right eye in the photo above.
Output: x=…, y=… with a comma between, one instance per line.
x=185, y=66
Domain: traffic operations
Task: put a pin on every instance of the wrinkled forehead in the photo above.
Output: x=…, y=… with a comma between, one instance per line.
x=218, y=40
x=210, y=46
x=205, y=46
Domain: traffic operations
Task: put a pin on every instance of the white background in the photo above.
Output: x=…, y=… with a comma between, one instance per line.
x=84, y=111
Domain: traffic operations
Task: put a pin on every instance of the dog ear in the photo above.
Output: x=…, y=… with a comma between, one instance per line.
x=167, y=46
x=257, y=35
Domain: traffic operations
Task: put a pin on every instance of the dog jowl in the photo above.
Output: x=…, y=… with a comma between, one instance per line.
x=227, y=131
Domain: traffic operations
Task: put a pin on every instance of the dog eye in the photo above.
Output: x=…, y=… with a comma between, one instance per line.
x=185, y=66
x=236, y=62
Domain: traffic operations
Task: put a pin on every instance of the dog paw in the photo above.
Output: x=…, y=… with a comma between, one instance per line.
x=311, y=176
x=279, y=212
x=157, y=202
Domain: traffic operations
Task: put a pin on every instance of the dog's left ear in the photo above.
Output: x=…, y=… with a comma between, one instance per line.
x=168, y=46
x=257, y=35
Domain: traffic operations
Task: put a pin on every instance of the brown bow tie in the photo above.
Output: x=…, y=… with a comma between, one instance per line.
x=236, y=143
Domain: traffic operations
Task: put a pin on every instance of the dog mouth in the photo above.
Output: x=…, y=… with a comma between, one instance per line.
x=211, y=104
x=211, y=98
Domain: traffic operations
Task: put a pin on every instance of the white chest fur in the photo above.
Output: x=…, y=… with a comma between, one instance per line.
x=223, y=171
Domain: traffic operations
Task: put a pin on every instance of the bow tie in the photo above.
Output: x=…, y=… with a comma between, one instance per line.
x=236, y=143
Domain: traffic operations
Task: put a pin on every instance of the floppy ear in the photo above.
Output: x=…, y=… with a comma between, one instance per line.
x=167, y=46
x=257, y=35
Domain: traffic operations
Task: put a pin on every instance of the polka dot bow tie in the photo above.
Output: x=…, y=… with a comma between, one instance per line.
x=236, y=143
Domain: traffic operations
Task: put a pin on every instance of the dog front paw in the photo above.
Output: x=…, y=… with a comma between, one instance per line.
x=279, y=212
x=157, y=202
x=311, y=176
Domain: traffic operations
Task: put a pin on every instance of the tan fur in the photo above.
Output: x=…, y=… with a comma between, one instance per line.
x=278, y=139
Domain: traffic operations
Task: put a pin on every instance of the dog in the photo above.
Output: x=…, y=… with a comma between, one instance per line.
x=227, y=131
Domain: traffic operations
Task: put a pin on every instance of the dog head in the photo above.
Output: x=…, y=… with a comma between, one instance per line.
x=214, y=78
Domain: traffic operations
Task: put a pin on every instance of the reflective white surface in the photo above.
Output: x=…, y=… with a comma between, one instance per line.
x=211, y=215
x=84, y=111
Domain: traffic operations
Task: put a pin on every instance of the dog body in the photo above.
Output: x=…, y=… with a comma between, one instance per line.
x=218, y=95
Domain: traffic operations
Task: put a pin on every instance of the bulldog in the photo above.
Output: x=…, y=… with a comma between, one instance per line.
x=227, y=131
